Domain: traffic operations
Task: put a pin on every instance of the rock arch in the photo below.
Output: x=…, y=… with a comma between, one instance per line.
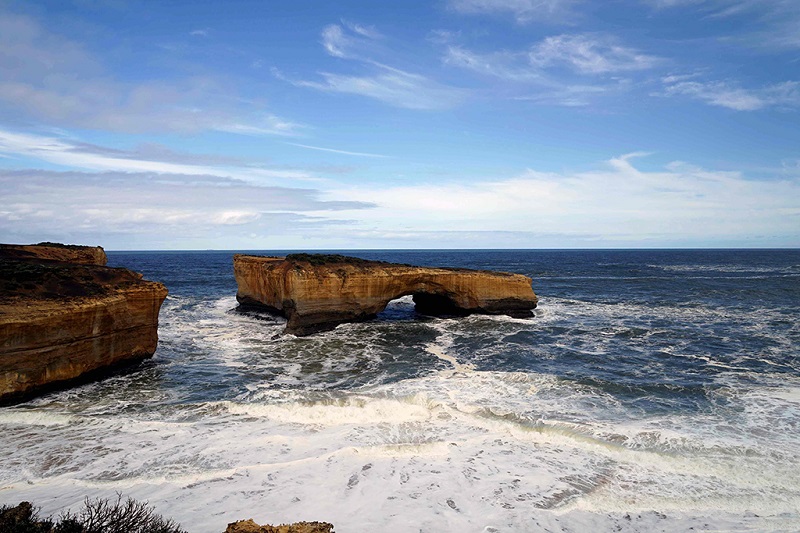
x=318, y=292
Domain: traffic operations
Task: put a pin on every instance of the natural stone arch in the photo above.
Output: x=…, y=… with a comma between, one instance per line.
x=316, y=293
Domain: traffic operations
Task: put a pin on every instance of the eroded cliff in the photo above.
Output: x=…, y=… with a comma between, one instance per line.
x=316, y=293
x=52, y=251
x=63, y=321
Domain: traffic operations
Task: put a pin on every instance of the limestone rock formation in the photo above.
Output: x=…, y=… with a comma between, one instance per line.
x=318, y=292
x=62, y=321
x=249, y=526
x=51, y=251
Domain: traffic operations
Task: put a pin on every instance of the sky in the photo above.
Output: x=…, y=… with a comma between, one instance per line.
x=255, y=125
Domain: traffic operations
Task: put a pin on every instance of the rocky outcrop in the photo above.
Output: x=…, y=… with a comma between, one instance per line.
x=249, y=526
x=51, y=251
x=64, y=321
x=317, y=292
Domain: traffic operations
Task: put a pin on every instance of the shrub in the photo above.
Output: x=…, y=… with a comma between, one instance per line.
x=97, y=516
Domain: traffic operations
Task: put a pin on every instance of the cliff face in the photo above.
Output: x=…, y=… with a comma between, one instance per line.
x=62, y=321
x=316, y=293
x=67, y=253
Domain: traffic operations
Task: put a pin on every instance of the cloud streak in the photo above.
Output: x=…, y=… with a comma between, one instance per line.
x=69, y=153
x=523, y=11
x=393, y=86
x=344, y=152
x=566, y=70
x=732, y=96
x=589, y=54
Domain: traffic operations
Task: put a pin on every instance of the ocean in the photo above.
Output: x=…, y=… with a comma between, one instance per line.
x=654, y=390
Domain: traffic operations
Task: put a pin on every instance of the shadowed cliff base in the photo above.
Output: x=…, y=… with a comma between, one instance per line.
x=66, y=319
x=318, y=292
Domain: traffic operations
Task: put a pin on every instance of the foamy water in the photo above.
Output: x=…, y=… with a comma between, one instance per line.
x=596, y=415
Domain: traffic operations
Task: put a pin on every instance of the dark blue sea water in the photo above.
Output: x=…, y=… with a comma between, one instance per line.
x=653, y=390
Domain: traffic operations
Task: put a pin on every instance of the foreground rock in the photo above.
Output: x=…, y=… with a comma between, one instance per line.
x=51, y=251
x=63, y=321
x=248, y=526
x=318, y=292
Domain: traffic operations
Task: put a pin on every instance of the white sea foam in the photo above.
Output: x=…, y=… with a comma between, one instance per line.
x=454, y=448
x=455, y=453
x=31, y=417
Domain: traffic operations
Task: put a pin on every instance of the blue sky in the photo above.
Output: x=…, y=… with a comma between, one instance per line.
x=442, y=124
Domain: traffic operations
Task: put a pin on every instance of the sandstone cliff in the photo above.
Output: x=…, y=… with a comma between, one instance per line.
x=62, y=321
x=316, y=293
x=50, y=251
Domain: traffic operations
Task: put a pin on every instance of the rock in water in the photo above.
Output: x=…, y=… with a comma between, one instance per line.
x=318, y=292
x=61, y=321
x=248, y=526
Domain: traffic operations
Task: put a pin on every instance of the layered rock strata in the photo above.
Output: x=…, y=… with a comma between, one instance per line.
x=316, y=292
x=63, y=321
x=51, y=251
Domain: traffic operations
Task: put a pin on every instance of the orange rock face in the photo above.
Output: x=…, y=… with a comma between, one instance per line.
x=63, y=321
x=84, y=255
x=249, y=526
x=316, y=293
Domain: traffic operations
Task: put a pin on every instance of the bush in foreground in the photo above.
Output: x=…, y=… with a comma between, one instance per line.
x=97, y=516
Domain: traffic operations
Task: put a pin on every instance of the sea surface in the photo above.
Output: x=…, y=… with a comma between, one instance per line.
x=653, y=391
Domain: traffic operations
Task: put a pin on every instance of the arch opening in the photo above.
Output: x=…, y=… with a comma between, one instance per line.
x=398, y=308
x=436, y=304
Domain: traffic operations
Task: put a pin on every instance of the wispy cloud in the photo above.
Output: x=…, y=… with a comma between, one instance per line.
x=72, y=154
x=344, y=152
x=510, y=66
x=392, y=86
x=589, y=54
x=524, y=11
x=47, y=77
x=385, y=83
x=346, y=39
x=769, y=23
x=566, y=70
x=732, y=96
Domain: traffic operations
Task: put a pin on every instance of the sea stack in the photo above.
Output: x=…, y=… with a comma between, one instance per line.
x=317, y=292
x=64, y=316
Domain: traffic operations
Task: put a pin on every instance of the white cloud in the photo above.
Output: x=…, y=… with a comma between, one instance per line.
x=732, y=96
x=392, y=86
x=339, y=42
x=335, y=151
x=167, y=209
x=505, y=65
x=621, y=202
x=589, y=54
x=334, y=40
x=541, y=68
x=78, y=155
x=768, y=23
x=46, y=77
x=524, y=11
x=583, y=53
x=385, y=83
